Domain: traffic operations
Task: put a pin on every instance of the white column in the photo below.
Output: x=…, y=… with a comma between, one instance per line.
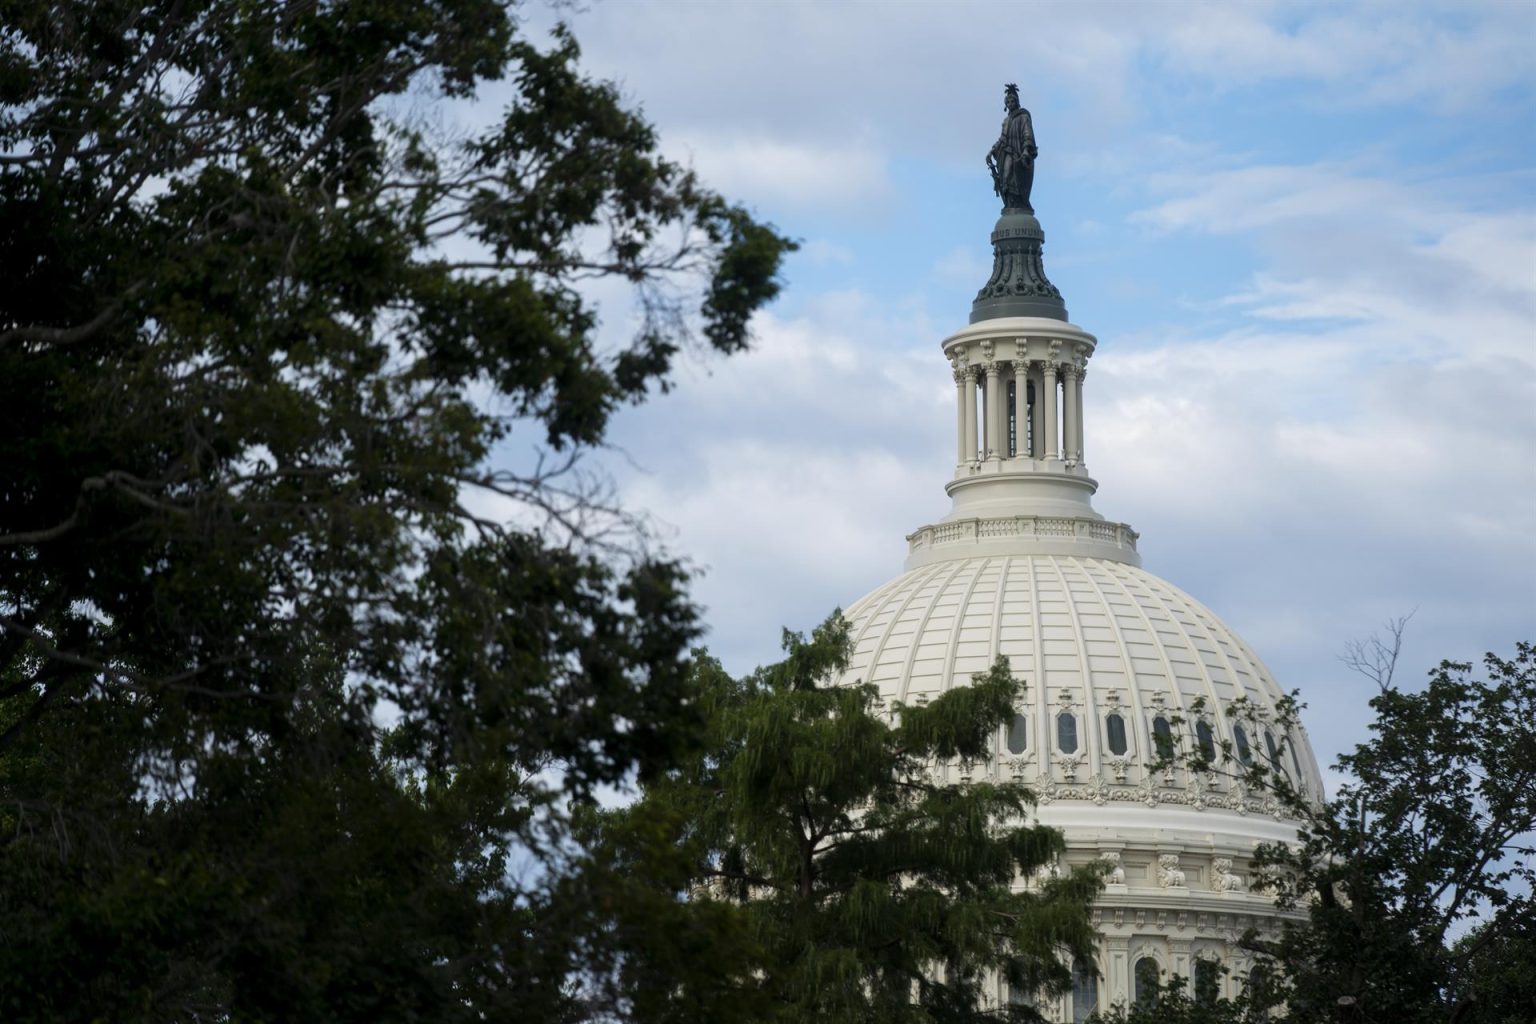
x=1051, y=448
x=1077, y=384
x=1072, y=441
x=1021, y=408
x=1183, y=962
x=1036, y=413
x=962, y=379
x=994, y=407
x=970, y=414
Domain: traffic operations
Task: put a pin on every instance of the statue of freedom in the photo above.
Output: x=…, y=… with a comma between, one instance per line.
x=1012, y=157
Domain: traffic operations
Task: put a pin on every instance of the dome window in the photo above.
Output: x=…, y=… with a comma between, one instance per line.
x=1207, y=982
x=1261, y=987
x=1244, y=754
x=1085, y=990
x=1162, y=736
x=1274, y=751
x=1296, y=763
x=1206, y=740
x=1066, y=733
x=1145, y=993
x=1114, y=726
x=1018, y=735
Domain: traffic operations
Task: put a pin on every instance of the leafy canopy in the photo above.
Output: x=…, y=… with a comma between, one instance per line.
x=1417, y=876
x=870, y=891
x=296, y=673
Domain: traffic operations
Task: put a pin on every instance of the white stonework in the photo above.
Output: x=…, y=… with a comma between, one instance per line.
x=1024, y=567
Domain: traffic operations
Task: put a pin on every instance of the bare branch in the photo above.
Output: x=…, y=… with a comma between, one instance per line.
x=1375, y=657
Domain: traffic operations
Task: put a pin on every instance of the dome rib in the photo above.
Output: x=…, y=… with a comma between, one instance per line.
x=1144, y=719
x=917, y=636
x=1089, y=716
x=1037, y=642
x=1134, y=692
x=1078, y=625
x=1197, y=656
x=904, y=680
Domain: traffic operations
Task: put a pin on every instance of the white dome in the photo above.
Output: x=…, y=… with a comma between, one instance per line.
x=1090, y=637
x=1110, y=655
x=1095, y=637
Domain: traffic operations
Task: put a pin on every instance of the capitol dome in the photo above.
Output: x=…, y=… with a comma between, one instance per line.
x=1117, y=663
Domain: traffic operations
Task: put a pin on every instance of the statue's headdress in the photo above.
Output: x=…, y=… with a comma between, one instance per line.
x=1011, y=91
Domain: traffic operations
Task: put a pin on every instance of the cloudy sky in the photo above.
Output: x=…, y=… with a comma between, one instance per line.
x=1305, y=236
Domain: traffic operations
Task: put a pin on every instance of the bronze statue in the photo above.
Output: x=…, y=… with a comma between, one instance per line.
x=1012, y=157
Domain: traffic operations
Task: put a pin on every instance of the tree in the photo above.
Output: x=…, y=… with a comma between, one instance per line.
x=869, y=891
x=1172, y=1002
x=288, y=719
x=1417, y=875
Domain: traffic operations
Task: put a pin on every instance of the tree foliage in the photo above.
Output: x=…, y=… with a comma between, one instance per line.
x=1417, y=875
x=295, y=672
x=1174, y=1002
x=868, y=891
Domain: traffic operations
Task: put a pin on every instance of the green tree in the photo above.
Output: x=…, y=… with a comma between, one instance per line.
x=869, y=891
x=288, y=719
x=1417, y=875
x=1173, y=1002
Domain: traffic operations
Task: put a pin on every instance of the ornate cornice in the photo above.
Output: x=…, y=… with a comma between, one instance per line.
x=1018, y=285
x=1080, y=530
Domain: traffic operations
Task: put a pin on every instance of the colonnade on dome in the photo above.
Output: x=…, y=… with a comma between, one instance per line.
x=1019, y=393
x=1019, y=409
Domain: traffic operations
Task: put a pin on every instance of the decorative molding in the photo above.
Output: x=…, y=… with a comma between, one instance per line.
x=1069, y=764
x=1115, y=875
x=1168, y=874
x=1081, y=528
x=1119, y=766
x=1222, y=877
x=1018, y=765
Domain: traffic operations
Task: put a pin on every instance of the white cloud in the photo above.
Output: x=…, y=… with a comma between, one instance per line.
x=1359, y=444
x=967, y=264
x=789, y=174
x=1248, y=198
x=821, y=252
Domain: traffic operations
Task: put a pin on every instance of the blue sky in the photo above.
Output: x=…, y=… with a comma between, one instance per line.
x=1305, y=236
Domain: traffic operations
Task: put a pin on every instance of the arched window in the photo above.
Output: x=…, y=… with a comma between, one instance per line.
x=1066, y=733
x=1114, y=726
x=1162, y=736
x=1243, y=753
x=1206, y=740
x=1144, y=981
x=1261, y=992
x=1274, y=751
x=1207, y=982
x=1017, y=735
x=1018, y=995
x=1296, y=762
x=1085, y=990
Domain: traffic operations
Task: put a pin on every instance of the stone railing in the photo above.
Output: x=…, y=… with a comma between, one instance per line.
x=970, y=531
